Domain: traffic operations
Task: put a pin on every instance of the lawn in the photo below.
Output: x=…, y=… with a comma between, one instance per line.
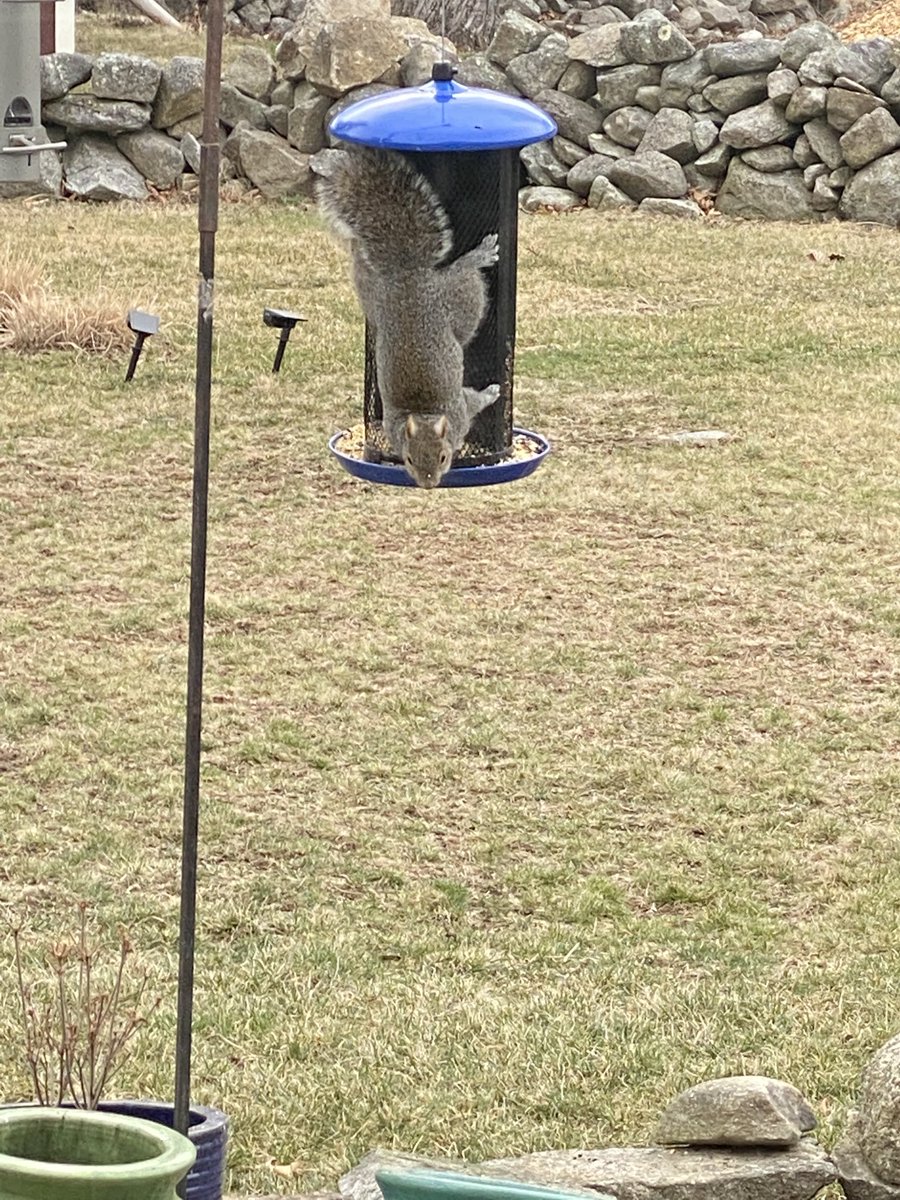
x=523, y=807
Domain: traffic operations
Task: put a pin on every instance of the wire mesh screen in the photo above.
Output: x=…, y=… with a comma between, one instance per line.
x=479, y=191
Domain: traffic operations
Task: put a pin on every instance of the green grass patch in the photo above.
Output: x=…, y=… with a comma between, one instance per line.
x=523, y=808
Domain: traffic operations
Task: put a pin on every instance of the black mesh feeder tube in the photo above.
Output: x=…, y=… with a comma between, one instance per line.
x=466, y=143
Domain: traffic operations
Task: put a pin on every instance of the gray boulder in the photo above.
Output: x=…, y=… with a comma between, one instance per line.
x=740, y=1110
x=651, y=38
x=617, y=87
x=157, y=156
x=824, y=142
x=682, y=79
x=758, y=126
x=567, y=151
x=575, y=119
x=606, y=197
x=782, y=196
x=252, y=72
x=125, y=77
x=672, y=132
x=272, y=166
x=352, y=53
x=581, y=177
x=476, y=70
x=236, y=107
x=744, y=58
x=648, y=97
x=664, y=1174
x=873, y=194
x=190, y=149
x=61, y=72
x=660, y=206
x=180, y=93
x=824, y=197
x=540, y=69
x=856, y=1177
x=627, y=126
x=863, y=63
x=804, y=41
x=804, y=155
x=878, y=1106
x=772, y=158
x=515, y=34
x=542, y=165
x=807, y=103
x=95, y=170
x=578, y=80
x=599, y=47
x=599, y=143
x=732, y=94
x=705, y=134
x=844, y=108
x=781, y=85
x=650, y=174
x=306, y=119
x=548, y=199
x=84, y=113
x=874, y=134
x=890, y=89
x=713, y=163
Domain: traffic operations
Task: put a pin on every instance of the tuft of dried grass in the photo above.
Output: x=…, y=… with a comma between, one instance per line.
x=41, y=321
x=34, y=319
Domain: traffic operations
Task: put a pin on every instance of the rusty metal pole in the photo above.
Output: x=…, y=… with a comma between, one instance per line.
x=207, y=224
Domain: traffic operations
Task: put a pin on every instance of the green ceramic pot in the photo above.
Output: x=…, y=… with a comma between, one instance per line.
x=421, y=1184
x=71, y=1154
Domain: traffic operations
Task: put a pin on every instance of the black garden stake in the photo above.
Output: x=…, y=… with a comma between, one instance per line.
x=207, y=224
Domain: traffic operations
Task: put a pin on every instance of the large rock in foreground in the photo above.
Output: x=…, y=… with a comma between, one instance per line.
x=778, y=196
x=640, y=1173
x=739, y=1110
x=873, y=194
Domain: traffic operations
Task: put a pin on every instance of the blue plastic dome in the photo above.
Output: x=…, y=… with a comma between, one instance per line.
x=443, y=115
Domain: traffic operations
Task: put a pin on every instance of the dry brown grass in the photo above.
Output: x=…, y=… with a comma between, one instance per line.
x=522, y=809
x=34, y=319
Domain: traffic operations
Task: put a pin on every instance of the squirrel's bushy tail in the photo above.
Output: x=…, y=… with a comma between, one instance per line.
x=379, y=199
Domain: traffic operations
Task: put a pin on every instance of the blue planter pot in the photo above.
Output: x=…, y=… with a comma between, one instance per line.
x=208, y=1132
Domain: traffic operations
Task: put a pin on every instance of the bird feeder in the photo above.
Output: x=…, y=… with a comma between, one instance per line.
x=466, y=143
x=22, y=137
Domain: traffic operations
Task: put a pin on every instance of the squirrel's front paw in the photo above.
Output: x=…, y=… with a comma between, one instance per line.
x=487, y=250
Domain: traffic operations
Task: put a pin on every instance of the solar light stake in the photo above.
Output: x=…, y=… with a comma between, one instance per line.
x=143, y=324
x=278, y=318
x=207, y=223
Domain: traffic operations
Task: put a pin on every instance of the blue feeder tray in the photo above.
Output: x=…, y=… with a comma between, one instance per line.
x=501, y=472
x=443, y=115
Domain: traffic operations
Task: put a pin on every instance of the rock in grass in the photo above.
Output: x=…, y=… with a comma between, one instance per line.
x=779, y=196
x=855, y=1176
x=96, y=170
x=550, y=199
x=740, y=1110
x=637, y=1173
x=873, y=194
x=874, y=134
x=879, y=1108
x=650, y=174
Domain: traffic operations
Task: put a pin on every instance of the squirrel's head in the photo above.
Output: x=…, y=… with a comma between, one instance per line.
x=427, y=452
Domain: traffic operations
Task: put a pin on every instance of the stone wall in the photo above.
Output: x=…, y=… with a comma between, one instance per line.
x=800, y=127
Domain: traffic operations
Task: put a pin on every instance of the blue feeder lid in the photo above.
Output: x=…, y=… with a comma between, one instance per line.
x=443, y=115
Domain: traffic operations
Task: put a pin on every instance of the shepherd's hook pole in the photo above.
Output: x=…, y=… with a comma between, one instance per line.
x=207, y=223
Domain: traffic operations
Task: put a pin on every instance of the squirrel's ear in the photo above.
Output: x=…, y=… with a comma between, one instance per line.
x=441, y=426
x=411, y=426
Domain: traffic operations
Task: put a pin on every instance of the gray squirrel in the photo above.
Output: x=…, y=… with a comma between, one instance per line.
x=422, y=312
